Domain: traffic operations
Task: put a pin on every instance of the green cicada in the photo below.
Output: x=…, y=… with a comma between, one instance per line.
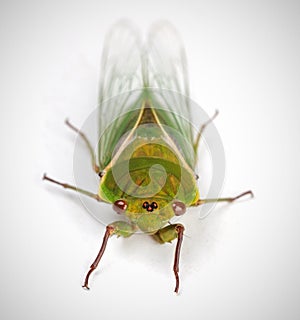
x=147, y=148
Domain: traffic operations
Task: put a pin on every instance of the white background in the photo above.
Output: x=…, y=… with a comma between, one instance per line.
x=242, y=261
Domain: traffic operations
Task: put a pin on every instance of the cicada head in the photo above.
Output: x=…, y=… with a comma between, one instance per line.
x=149, y=215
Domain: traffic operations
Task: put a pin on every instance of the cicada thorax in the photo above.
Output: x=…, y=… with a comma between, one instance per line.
x=148, y=171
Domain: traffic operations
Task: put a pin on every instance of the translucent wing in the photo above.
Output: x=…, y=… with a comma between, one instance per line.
x=121, y=72
x=167, y=71
x=158, y=70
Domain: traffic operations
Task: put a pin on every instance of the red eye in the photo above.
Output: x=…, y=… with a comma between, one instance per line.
x=179, y=208
x=120, y=206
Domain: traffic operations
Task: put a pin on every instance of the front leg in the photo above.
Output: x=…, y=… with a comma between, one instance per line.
x=167, y=234
x=119, y=228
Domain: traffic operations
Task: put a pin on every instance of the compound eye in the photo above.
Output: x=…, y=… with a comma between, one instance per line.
x=179, y=208
x=120, y=206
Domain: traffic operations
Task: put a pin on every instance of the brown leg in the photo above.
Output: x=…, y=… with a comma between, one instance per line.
x=108, y=233
x=202, y=201
x=87, y=142
x=168, y=234
x=196, y=143
x=118, y=228
x=179, y=229
x=68, y=186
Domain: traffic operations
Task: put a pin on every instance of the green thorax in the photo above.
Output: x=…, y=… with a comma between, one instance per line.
x=148, y=166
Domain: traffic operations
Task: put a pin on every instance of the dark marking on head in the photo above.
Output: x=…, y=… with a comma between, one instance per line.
x=150, y=206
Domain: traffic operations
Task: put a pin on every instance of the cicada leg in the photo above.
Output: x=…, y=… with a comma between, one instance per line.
x=197, y=140
x=68, y=186
x=167, y=234
x=229, y=199
x=88, y=144
x=119, y=228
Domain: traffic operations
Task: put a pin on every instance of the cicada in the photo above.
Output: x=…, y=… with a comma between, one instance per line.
x=147, y=148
